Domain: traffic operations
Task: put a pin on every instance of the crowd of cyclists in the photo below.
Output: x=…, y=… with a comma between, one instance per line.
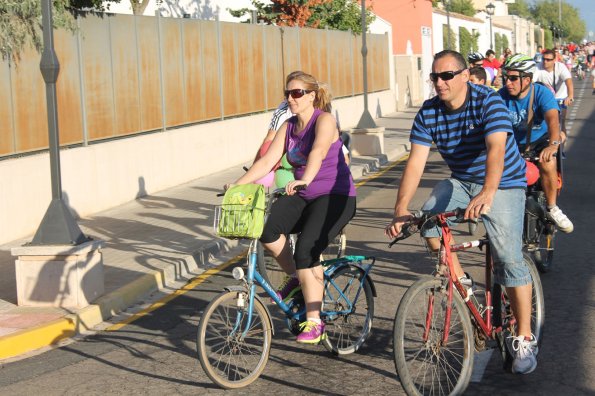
x=483, y=116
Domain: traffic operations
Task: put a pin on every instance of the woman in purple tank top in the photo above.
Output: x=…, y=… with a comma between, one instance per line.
x=319, y=212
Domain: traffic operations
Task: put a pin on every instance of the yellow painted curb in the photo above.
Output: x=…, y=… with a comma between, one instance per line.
x=50, y=333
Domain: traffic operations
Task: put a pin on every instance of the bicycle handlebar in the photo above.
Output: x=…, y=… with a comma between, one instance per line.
x=278, y=191
x=419, y=219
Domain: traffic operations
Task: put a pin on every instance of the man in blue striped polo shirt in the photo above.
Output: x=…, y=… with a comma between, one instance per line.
x=470, y=126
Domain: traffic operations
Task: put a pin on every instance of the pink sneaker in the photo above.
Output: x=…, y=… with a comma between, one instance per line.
x=312, y=332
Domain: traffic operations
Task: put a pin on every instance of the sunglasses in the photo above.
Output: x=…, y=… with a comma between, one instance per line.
x=548, y=59
x=511, y=78
x=296, y=93
x=445, y=76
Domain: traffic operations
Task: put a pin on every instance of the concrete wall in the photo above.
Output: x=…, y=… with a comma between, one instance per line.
x=101, y=176
x=409, y=80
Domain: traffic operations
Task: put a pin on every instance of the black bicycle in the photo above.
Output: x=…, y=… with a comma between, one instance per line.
x=539, y=231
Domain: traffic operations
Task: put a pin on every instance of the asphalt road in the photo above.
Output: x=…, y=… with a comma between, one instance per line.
x=156, y=354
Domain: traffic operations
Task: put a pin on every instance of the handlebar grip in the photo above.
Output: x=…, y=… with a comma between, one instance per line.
x=220, y=194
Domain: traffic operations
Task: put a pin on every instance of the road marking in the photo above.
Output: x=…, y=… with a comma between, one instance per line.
x=202, y=277
x=183, y=290
x=382, y=172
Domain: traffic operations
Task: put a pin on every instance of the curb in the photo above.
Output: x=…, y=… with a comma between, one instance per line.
x=80, y=322
x=190, y=266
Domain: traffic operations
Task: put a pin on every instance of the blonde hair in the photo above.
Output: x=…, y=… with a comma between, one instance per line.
x=323, y=97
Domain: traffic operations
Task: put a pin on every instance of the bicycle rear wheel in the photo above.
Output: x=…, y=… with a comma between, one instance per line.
x=503, y=316
x=348, y=310
x=425, y=365
x=230, y=360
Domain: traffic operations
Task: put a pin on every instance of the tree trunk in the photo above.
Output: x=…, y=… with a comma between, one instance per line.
x=139, y=6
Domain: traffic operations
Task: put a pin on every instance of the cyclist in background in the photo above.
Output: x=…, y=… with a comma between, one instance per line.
x=555, y=75
x=470, y=126
x=477, y=75
x=544, y=136
x=319, y=212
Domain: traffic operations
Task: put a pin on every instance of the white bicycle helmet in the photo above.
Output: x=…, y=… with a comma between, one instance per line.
x=521, y=63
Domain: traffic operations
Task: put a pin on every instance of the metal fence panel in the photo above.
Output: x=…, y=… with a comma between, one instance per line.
x=98, y=84
x=149, y=74
x=7, y=131
x=28, y=93
x=173, y=71
x=273, y=62
x=211, y=77
x=126, y=74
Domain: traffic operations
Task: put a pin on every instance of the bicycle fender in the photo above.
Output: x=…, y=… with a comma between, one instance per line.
x=245, y=290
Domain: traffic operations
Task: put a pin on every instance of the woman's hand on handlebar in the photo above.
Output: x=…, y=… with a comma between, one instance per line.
x=294, y=186
x=395, y=226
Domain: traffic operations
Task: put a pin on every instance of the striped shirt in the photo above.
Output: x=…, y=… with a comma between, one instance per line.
x=460, y=136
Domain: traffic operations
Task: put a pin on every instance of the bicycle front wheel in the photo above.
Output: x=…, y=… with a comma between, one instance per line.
x=230, y=359
x=348, y=307
x=426, y=365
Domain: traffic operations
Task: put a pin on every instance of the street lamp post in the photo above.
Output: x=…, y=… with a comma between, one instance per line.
x=490, y=10
x=447, y=3
x=366, y=120
x=58, y=227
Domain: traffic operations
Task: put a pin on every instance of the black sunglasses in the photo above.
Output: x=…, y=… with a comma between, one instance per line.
x=296, y=93
x=445, y=76
x=511, y=78
x=548, y=59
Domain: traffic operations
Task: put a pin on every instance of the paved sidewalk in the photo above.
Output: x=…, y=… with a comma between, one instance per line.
x=153, y=244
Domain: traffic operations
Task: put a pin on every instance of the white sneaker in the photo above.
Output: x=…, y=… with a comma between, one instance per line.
x=560, y=219
x=524, y=354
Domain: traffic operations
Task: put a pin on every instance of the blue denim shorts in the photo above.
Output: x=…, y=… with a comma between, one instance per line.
x=504, y=225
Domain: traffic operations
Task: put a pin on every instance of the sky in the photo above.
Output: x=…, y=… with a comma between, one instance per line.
x=586, y=9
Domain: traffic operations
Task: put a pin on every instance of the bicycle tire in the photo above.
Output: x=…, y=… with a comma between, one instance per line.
x=346, y=333
x=543, y=256
x=229, y=361
x=427, y=367
x=336, y=248
x=503, y=316
x=268, y=267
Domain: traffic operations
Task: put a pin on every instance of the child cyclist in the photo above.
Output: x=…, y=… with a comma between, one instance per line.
x=311, y=141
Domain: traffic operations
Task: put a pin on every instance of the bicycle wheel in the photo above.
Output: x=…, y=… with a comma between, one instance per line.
x=336, y=248
x=268, y=266
x=229, y=360
x=425, y=365
x=543, y=255
x=504, y=317
x=347, y=329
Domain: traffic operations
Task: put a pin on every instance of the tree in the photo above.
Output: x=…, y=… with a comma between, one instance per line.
x=342, y=15
x=520, y=8
x=20, y=22
x=572, y=27
x=446, y=34
x=464, y=7
x=334, y=14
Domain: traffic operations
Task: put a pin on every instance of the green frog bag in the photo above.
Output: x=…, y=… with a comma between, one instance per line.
x=242, y=212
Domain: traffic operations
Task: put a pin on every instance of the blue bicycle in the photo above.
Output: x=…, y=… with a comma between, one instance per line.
x=236, y=328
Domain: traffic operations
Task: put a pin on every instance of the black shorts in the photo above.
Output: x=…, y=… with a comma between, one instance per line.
x=317, y=222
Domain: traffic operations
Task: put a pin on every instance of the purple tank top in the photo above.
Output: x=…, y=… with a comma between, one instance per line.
x=333, y=177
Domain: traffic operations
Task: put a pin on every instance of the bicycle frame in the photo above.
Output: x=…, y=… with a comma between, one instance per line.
x=253, y=278
x=482, y=321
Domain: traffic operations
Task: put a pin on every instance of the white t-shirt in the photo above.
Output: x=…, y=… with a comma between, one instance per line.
x=555, y=79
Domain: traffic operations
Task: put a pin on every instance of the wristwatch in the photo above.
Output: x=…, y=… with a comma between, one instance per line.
x=555, y=142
